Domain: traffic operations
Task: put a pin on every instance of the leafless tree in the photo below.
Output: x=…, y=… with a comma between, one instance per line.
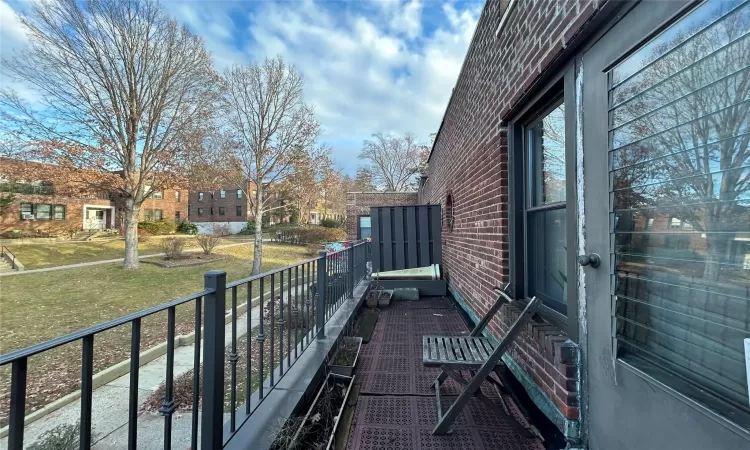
x=270, y=127
x=394, y=161
x=118, y=83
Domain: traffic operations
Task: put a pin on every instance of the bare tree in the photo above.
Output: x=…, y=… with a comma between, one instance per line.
x=271, y=128
x=118, y=83
x=393, y=161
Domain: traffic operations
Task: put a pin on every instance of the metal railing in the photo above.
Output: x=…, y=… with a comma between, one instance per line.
x=299, y=300
x=5, y=253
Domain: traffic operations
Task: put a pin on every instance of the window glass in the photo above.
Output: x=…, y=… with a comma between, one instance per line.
x=26, y=211
x=239, y=211
x=200, y=196
x=59, y=212
x=680, y=154
x=547, y=158
x=221, y=210
x=546, y=246
x=200, y=211
x=239, y=193
x=177, y=197
x=176, y=215
x=222, y=194
x=43, y=211
x=158, y=195
x=365, y=227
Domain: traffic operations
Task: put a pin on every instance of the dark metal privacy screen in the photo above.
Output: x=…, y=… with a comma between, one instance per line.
x=404, y=237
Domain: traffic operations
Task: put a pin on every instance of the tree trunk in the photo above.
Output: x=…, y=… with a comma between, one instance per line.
x=131, y=234
x=258, y=250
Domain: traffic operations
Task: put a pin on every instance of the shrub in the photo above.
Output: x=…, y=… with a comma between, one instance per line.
x=331, y=223
x=310, y=235
x=210, y=240
x=172, y=247
x=186, y=227
x=61, y=437
x=158, y=228
x=143, y=235
x=182, y=393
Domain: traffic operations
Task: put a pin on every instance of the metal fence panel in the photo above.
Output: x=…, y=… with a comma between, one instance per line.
x=405, y=237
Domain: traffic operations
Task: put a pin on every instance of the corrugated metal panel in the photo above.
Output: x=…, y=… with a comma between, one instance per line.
x=405, y=237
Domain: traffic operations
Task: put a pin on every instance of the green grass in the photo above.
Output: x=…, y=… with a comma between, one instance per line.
x=37, y=256
x=42, y=306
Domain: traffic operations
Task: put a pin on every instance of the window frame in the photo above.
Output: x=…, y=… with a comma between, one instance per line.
x=238, y=210
x=222, y=194
x=559, y=86
x=359, y=225
x=239, y=194
x=222, y=211
x=54, y=211
x=200, y=196
x=177, y=196
x=199, y=212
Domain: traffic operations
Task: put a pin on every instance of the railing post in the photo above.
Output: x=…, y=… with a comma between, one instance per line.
x=212, y=416
x=320, y=309
x=350, y=266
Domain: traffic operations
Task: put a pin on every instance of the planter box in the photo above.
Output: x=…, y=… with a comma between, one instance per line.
x=383, y=300
x=330, y=379
x=347, y=370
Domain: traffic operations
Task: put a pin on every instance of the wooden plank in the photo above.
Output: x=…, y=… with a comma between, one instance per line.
x=425, y=348
x=435, y=235
x=424, y=236
x=399, y=238
x=387, y=238
x=484, y=350
x=411, y=237
x=468, y=355
x=446, y=350
x=375, y=234
x=474, y=352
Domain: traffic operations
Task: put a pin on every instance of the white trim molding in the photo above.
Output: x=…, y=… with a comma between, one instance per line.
x=504, y=18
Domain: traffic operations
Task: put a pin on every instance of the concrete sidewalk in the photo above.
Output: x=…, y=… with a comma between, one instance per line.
x=110, y=402
x=109, y=261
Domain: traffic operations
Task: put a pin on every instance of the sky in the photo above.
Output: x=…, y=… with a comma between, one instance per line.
x=369, y=66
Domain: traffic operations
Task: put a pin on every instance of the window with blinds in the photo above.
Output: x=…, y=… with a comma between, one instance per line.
x=680, y=200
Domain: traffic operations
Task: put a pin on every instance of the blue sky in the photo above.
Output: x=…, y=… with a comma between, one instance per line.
x=369, y=66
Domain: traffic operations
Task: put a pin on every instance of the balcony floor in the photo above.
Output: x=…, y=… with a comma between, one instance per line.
x=396, y=405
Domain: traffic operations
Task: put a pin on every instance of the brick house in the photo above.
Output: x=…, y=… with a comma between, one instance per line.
x=569, y=163
x=52, y=201
x=358, y=209
x=226, y=206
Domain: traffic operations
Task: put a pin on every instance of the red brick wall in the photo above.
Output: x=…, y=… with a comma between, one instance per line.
x=168, y=204
x=359, y=203
x=470, y=160
x=73, y=214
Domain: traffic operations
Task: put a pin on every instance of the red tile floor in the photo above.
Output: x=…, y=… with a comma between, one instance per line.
x=396, y=405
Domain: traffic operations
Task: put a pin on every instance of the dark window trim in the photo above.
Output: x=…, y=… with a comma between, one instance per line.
x=238, y=210
x=359, y=224
x=561, y=86
x=222, y=211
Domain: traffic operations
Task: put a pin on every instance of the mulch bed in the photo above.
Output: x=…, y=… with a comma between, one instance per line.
x=188, y=260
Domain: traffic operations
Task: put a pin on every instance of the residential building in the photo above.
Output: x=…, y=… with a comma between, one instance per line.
x=227, y=206
x=52, y=199
x=594, y=154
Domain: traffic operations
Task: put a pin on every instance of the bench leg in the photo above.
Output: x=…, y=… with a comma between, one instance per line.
x=439, y=380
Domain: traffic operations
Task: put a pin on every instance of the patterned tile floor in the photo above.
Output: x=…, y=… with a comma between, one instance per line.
x=396, y=406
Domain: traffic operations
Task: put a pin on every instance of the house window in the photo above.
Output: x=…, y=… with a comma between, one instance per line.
x=239, y=193
x=158, y=195
x=222, y=194
x=545, y=224
x=221, y=210
x=239, y=211
x=58, y=212
x=27, y=211
x=153, y=215
x=365, y=227
x=211, y=211
x=43, y=212
x=200, y=211
x=176, y=215
x=177, y=197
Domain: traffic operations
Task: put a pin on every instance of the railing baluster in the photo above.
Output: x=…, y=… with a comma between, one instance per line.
x=167, y=408
x=289, y=319
x=261, y=337
x=281, y=323
x=320, y=313
x=212, y=416
x=17, y=403
x=233, y=365
x=196, y=373
x=135, y=354
x=296, y=310
x=248, y=373
x=87, y=390
x=272, y=366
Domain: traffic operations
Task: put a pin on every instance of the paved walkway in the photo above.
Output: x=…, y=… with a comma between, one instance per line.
x=110, y=402
x=110, y=261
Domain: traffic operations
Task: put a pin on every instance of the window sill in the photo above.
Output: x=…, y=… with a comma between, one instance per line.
x=704, y=403
x=552, y=317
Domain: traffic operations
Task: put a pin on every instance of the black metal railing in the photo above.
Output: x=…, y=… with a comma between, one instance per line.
x=294, y=303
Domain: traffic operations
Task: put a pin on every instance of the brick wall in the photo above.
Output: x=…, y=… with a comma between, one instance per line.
x=470, y=160
x=73, y=214
x=212, y=201
x=169, y=205
x=359, y=203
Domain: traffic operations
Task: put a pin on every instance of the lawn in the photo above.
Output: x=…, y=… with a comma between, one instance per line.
x=38, y=307
x=37, y=256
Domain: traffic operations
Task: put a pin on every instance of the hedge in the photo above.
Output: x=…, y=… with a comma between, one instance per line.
x=309, y=235
x=157, y=228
